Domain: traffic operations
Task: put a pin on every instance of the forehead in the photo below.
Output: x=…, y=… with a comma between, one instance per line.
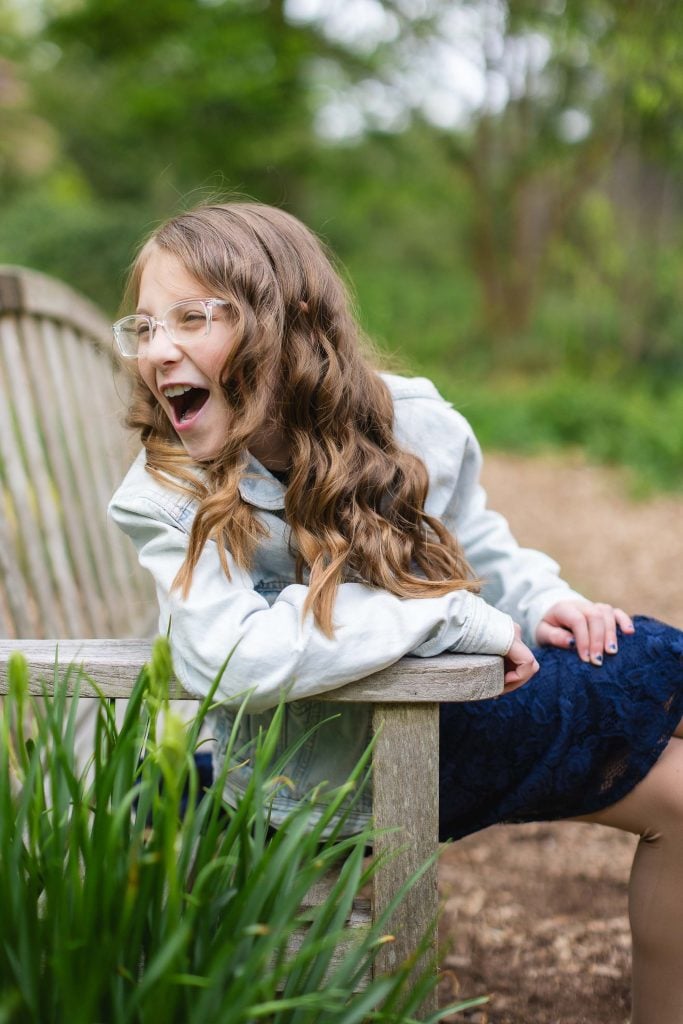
x=165, y=280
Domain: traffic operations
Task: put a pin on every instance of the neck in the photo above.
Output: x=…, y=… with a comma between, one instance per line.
x=271, y=449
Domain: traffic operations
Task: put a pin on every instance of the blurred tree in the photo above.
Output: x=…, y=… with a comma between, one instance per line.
x=152, y=99
x=567, y=86
x=153, y=105
x=27, y=143
x=534, y=103
x=432, y=142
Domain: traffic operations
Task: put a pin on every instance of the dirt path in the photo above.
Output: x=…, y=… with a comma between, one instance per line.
x=535, y=915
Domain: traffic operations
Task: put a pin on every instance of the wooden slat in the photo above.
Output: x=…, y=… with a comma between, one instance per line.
x=49, y=524
x=99, y=552
x=118, y=448
x=51, y=412
x=21, y=614
x=89, y=521
x=359, y=924
x=80, y=363
x=109, y=442
x=29, y=534
x=358, y=921
x=115, y=665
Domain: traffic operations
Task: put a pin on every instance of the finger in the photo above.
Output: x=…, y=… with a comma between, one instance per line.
x=624, y=621
x=554, y=636
x=512, y=683
x=596, y=633
x=576, y=621
x=616, y=617
x=520, y=674
x=610, y=625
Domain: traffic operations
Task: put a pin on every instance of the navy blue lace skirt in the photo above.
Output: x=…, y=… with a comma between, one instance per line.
x=575, y=739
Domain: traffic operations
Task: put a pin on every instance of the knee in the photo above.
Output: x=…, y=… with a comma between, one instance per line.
x=662, y=793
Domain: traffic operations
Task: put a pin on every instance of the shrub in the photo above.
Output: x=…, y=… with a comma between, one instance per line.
x=121, y=904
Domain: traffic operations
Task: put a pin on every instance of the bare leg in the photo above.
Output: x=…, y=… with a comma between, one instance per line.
x=654, y=811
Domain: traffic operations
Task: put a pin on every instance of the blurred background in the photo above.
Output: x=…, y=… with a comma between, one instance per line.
x=501, y=181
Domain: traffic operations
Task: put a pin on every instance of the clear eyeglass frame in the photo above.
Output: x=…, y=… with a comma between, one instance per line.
x=131, y=330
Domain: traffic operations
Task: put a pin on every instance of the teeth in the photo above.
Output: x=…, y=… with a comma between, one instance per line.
x=176, y=389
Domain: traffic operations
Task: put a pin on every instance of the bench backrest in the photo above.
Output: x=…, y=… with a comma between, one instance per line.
x=64, y=570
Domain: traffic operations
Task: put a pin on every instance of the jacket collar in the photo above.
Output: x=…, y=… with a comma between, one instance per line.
x=259, y=487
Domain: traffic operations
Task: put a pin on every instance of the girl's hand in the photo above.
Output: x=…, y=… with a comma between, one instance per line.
x=591, y=628
x=520, y=664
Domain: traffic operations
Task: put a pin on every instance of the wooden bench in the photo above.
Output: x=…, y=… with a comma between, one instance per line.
x=64, y=573
x=64, y=570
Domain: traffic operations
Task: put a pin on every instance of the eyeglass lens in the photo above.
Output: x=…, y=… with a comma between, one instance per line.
x=183, y=322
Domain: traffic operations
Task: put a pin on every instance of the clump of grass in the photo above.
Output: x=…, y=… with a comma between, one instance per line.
x=119, y=904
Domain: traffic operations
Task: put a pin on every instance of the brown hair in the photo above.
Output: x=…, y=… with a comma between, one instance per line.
x=355, y=500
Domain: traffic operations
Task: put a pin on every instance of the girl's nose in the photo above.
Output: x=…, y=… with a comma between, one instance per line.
x=161, y=349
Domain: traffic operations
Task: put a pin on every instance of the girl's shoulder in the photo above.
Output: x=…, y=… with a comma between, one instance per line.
x=428, y=426
x=410, y=387
x=423, y=418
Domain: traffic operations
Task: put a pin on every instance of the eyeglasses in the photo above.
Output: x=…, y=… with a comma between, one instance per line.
x=184, y=322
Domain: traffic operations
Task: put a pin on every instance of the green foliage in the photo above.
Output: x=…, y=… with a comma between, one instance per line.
x=189, y=89
x=540, y=236
x=118, y=906
x=622, y=424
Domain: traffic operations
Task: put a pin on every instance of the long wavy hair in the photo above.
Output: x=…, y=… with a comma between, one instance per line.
x=355, y=500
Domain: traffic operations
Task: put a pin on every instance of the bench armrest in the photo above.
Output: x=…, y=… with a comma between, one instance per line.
x=115, y=664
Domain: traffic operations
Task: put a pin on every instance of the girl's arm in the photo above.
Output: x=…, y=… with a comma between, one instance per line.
x=523, y=582
x=275, y=648
x=520, y=581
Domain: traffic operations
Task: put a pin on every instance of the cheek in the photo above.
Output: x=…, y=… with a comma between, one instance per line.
x=147, y=374
x=216, y=357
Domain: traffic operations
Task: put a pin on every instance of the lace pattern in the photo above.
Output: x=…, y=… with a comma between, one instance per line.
x=572, y=741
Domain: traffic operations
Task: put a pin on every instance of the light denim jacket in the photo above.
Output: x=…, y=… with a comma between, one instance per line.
x=259, y=613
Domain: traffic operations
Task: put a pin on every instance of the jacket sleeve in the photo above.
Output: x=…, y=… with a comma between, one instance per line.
x=520, y=581
x=276, y=649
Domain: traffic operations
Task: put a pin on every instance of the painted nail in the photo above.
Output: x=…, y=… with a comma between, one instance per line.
x=597, y=659
x=571, y=642
x=612, y=648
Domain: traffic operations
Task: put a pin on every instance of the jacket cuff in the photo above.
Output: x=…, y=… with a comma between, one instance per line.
x=494, y=633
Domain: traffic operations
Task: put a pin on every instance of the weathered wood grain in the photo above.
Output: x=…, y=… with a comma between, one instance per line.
x=64, y=571
x=115, y=665
x=405, y=770
x=28, y=291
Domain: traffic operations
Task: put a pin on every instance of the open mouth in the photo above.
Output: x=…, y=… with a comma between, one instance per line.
x=187, y=404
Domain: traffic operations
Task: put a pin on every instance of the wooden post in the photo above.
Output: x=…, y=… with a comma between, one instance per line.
x=406, y=796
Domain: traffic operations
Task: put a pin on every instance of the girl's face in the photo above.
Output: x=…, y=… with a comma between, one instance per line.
x=199, y=413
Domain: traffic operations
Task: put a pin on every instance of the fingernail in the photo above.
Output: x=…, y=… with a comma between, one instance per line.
x=597, y=659
x=585, y=656
x=571, y=642
x=612, y=648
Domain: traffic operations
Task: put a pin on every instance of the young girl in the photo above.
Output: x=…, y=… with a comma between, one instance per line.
x=321, y=520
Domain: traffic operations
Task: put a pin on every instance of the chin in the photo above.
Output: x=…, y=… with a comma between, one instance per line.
x=201, y=452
